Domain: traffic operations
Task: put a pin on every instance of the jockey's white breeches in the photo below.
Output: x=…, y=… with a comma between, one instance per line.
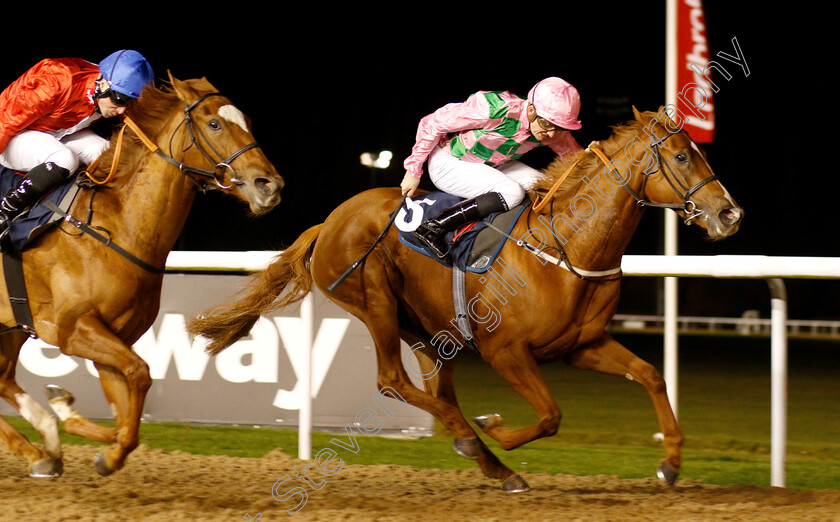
x=32, y=148
x=468, y=179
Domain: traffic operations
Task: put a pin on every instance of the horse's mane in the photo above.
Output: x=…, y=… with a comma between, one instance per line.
x=150, y=113
x=589, y=162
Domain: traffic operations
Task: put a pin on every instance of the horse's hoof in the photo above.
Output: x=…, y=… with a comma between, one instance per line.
x=467, y=448
x=515, y=484
x=101, y=466
x=666, y=474
x=486, y=422
x=47, y=468
x=58, y=393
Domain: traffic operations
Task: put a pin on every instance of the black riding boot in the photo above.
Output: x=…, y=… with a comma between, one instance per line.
x=432, y=232
x=35, y=185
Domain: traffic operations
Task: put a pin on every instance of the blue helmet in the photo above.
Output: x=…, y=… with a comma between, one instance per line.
x=127, y=71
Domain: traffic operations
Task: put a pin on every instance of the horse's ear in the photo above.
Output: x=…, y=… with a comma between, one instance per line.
x=637, y=114
x=210, y=86
x=184, y=91
x=173, y=80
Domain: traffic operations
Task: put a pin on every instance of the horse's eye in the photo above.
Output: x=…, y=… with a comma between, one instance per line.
x=682, y=158
x=215, y=125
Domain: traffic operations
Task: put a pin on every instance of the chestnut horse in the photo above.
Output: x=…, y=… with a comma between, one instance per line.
x=541, y=308
x=94, y=302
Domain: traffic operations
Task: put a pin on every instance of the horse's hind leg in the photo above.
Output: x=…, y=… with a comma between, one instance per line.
x=436, y=375
x=610, y=357
x=46, y=463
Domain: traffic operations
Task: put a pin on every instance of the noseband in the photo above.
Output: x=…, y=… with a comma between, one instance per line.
x=680, y=189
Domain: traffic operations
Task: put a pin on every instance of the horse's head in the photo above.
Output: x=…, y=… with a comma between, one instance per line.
x=220, y=136
x=678, y=176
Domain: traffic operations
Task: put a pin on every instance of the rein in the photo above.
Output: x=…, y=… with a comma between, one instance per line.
x=217, y=174
x=540, y=203
x=687, y=206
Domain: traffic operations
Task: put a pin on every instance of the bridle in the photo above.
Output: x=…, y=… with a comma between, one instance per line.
x=217, y=175
x=221, y=166
x=683, y=192
x=680, y=189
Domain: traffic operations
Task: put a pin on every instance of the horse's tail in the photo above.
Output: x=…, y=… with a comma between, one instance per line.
x=226, y=323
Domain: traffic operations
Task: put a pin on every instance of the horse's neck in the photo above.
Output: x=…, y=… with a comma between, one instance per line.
x=163, y=196
x=594, y=222
x=152, y=205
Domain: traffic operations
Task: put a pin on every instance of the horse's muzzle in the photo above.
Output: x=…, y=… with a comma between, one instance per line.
x=725, y=223
x=263, y=193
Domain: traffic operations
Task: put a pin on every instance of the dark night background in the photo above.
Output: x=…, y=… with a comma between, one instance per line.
x=324, y=85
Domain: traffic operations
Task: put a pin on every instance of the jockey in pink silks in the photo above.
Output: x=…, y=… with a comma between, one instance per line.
x=472, y=150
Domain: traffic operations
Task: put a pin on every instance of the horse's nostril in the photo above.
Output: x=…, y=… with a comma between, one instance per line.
x=265, y=185
x=730, y=216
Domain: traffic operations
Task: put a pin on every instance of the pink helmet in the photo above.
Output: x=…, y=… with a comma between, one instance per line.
x=557, y=101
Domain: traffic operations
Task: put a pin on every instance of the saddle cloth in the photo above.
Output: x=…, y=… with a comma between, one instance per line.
x=31, y=224
x=475, y=245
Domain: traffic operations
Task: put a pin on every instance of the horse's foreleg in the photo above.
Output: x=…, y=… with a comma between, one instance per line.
x=45, y=463
x=517, y=366
x=91, y=339
x=610, y=357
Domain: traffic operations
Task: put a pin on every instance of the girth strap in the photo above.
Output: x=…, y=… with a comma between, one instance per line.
x=460, y=302
x=16, y=287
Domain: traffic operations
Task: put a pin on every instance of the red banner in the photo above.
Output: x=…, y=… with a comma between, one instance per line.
x=693, y=72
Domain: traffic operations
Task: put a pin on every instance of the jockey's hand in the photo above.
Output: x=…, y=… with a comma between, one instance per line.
x=409, y=184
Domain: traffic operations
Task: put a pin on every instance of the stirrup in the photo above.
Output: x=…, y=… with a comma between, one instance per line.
x=434, y=243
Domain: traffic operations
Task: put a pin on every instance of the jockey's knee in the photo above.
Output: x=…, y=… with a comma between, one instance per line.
x=513, y=194
x=92, y=151
x=65, y=159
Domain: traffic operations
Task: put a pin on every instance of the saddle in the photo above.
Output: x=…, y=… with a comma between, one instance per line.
x=39, y=218
x=474, y=246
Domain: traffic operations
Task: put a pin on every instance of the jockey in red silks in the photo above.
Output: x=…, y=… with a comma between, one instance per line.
x=44, y=117
x=472, y=150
